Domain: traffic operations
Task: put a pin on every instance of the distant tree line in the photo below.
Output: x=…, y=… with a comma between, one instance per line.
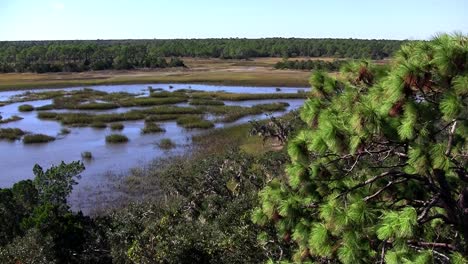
x=83, y=55
x=44, y=57
x=310, y=65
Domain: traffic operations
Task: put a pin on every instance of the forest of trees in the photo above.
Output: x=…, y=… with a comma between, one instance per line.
x=320, y=65
x=83, y=55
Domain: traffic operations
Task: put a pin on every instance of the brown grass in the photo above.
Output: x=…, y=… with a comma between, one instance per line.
x=257, y=72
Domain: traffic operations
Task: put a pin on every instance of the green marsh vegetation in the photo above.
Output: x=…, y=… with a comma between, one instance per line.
x=116, y=138
x=98, y=125
x=190, y=122
x=65, y=131
x=117, y=126
x=166, y=143
x=164, y=113
x=151, y=127
x=87, y=155
x=37, y=138
x=205, y=102
x=10, y=119
x=25, y=108
x=11, y=133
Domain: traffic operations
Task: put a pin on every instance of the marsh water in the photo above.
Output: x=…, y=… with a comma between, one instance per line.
x=18, y=159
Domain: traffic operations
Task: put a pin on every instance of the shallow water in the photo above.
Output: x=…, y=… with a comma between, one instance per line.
x=17, y=160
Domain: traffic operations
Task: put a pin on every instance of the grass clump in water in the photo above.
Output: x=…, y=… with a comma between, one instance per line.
x=116, y=138
x=166, y=143
x=194, y=122
x=11, y=133
x=45, y=107
x=151, y=127
x=65, y=131
x=47, y=115
x=10, y=119
x=87, y=155
x=117, y=126
x=25, y=108
x=37, y=138
x=99, y=125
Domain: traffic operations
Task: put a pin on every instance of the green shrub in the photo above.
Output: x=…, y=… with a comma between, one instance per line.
x=65, y=131
x=99, y=125
x=116, y=138
x=47, y=115
x=37, y=138
x=166, y=143
x=152, y=128
x=11, y=133
x=10, y=119
x=86, y=155
x=194, y=122
x=25, y=108
x=117, y=126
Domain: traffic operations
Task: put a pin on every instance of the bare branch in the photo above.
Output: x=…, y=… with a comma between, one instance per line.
x=450, y=139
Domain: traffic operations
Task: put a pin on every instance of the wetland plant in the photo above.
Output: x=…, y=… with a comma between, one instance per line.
x=151, y=127
x=11, y=133
x=116, y=138
x=166, y=143
x=117, y=126
x=87, y=155
x=37, y=138
x=25, y=108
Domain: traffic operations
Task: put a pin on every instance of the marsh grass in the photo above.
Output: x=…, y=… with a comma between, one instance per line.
x=37, y=138
x=98, y=125
x=47, y=115
x=151, y=127
x=10, y=119
x=116, y=138
x=150, y=101
x=96, y=106
x=205, y=102
x=166, y=143
x=246, y=96
x=163, y=117
x=117, y=126
x=11, y=133
x=65, y=131
x=25, y=108
x=45, y=107
x=86, y=155
x=190, y=122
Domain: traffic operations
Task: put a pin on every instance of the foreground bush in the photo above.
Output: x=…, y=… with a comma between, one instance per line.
x=380, y=174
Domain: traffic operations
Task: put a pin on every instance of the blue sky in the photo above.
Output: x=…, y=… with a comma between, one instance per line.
x=122, y=19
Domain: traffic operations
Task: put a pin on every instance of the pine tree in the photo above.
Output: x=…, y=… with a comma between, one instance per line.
x=380, y=175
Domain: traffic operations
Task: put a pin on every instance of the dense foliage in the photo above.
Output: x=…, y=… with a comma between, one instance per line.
x=381, y=173
x=56, y=56
x=320, y=65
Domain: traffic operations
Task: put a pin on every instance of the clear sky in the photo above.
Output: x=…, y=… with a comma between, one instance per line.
x=123, y=19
